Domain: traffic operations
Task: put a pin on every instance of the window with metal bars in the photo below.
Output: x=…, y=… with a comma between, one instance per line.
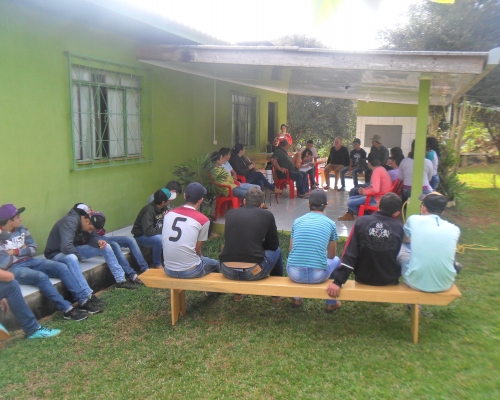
x=111, y=113
x=245, y=120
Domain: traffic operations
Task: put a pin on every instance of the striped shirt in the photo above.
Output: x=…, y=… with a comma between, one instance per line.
x=311, y=234
x=23, y=245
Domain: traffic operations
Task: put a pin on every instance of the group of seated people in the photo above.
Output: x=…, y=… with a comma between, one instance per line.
x=378, y=251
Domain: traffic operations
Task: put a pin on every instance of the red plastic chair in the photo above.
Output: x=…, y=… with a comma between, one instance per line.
x=282, y=183
x=223, y=202
x=241, y=178
x=395, y=188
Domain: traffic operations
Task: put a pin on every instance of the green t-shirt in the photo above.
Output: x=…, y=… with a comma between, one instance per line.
x=283, y=159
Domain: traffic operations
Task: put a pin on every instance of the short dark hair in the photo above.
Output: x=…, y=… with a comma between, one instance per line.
x=283, y=125
x=373, y=159
x=254, y=197
x=398, y=157
x=224, y=151
x=174, y=185
x=160, y=197
x=310, y=142
x=237, y=148
x=396, y=150
x=306, y=153
x=283, y=143
x=81, y=213
x=215, y=156
x=390, y=203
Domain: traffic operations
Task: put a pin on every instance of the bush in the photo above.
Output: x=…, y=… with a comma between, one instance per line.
x=449, y=184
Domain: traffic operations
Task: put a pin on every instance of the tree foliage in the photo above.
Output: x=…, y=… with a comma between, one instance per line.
x=317, y=118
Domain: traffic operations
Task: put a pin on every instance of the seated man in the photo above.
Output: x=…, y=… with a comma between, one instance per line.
x=372, y=248
x=380, y=183
x=173, y=187
x=73, y=239
x=357, y=158
x=16, y=256
x=149, y=222
x=337, y=160
x=282, y=162
x=220, y=175
x=313, y=245
x=12, y=299
x=184, y=231
x=428, y=263
x=117, y=242
x=251, y=250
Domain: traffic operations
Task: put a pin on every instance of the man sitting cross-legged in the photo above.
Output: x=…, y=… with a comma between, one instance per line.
x=428, y=264
x=184, y=231
x=73, y=239
x=149, y=222
x=16, y=256
x=372, y=248
x=380, y=182
x=251, y=250
x=313, y=245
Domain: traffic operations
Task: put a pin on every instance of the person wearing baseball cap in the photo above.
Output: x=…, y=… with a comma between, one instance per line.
x=313, y=245
x=149, y=223
x=427, y=257
x=17, y=257
x=356, y=157
x=184, y=231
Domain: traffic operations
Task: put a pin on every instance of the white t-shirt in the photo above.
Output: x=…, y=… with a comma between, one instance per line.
x=227, y=167
x=183, y=227
x=406, y=172
x=313, y=150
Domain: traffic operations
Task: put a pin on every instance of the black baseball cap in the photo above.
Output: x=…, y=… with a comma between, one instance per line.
x=318, y=198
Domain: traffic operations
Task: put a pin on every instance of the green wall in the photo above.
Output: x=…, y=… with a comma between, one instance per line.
x=35, y=125
x=375, y=109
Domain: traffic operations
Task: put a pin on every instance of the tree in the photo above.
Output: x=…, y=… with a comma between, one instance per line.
x=317, y=118
x=467, y=25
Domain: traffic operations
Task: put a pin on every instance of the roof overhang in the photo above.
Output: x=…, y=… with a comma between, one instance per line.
x=384, y=76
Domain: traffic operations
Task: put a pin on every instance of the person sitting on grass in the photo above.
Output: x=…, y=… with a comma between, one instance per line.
x=12, y=299
x=372, y=248
x=251, y=249
x=149, y=223
x=173, y=187
x=17, y=256
x=73, y=239
x=184, y=231
x=282, y=162
x=380, y=182
x=313, y=245
x=427, y=256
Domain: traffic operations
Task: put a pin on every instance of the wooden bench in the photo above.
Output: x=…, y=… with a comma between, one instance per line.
x=283, y=286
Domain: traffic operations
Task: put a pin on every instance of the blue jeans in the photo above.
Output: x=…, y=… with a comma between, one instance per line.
x=155, y=243
x=354, y=202
x=130, y=243
x=259, y=179
x=301, y=181
x=20, y=310
x=271, y=265
x=73, y=265
x=355, y=171
x=206, y=266
x=406, y=193
x=109, y=256
x=241, y=191
x=36, y=272
x=314, y=275
x=434, y=182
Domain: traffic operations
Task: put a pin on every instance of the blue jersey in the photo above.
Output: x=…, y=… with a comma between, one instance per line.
x=311, y=234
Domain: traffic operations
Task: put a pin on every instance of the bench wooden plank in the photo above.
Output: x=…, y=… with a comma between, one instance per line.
x=283, y=286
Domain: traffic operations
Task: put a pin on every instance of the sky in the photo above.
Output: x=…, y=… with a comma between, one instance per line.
x=353, y=26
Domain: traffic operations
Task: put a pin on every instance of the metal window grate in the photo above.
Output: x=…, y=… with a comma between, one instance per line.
x=111, y=113
x=245, y=120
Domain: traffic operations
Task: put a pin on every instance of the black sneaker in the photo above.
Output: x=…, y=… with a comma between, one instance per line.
x=97, y=301
x=75, y=314
x=90, y=307
x=137, y=282
x=126, y=285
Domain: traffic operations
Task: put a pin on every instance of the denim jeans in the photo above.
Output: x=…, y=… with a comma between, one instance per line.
x=314, y=275
x=20, y=310
x=271, y=265
x=109, y=256
x=241, y=191
x=206, y=266
x=434, y=182
x=155, y=243
x=301, y=181
x=406, y=192
x=36, y=272
x=259, y=179
x=355, y=171
x=404, y=261
x=73, y=265
x=130, y=243
x=354, y=202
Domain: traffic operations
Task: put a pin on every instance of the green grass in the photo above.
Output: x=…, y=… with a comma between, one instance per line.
x=255, y=349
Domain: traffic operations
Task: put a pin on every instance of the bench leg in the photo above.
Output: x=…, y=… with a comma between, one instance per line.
x=415, y=309
x=177, y=304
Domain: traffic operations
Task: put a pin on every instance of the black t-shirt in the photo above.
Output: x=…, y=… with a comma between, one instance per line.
x=356, y=156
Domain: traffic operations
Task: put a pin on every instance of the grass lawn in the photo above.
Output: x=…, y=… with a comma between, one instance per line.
x=255, y=349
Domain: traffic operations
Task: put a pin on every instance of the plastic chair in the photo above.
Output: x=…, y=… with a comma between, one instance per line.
x=223, y=202
x=282, y=183
x=395, y=188
x=241, y=178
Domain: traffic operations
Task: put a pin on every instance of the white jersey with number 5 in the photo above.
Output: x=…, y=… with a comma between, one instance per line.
x=182, y=228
